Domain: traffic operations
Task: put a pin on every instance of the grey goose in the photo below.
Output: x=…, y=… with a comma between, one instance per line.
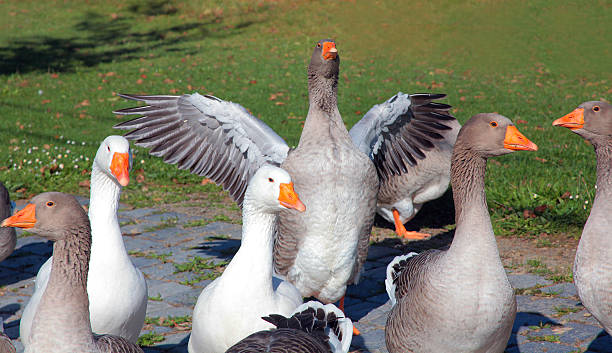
x=593, y=263
x=459, y=300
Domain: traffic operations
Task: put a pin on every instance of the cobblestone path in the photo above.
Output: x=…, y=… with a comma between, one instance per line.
x=180, y=254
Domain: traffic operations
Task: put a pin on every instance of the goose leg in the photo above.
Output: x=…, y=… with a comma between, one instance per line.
x=355, y=330
x=402, y=232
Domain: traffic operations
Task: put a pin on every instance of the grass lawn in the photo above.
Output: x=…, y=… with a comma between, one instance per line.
x=62, y=63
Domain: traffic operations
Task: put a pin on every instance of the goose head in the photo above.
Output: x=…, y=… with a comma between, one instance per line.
x=49, y=215
x=490, y=134
x=589, y=120
x=114, y=158
x=271, y=191
x=325, y=61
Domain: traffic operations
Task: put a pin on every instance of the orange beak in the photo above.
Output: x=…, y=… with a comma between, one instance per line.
x=572, y=121
x=120, y=167
x=329, y=51
x=516, y=141
x=26, y=218
x=289, y=198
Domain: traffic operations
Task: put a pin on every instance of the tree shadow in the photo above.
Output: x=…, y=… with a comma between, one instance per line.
x=103, y=39
x=527, y=319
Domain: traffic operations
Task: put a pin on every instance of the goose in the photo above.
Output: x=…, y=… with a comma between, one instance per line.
x=593, y=262
x=8, y=236
x=117, y=289
x=231, y=307
x=61, y=323
x=459, y=300
x=313, y=328
x=321, y=250
x=401, y=195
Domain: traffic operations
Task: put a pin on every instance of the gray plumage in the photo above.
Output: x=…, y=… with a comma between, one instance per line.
x=458, y=300
x=397, y=134
x=205, y=135
x=323, y=249
x=61, y=323
x=593, y=262
x=8, y=236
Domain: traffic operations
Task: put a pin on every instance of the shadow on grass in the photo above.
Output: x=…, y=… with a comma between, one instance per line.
x=102, y=39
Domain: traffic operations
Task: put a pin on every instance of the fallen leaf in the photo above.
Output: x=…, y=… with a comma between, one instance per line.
x=566, y=195
x=206, y=181
x=521, y=121
x=528, y=214
x=85, y=183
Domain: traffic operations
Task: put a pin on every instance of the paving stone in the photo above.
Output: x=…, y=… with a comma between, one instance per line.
x=562, y=290
x=527, y=281
x=547, y=347
x=544, y=306
x=579, y=333
x=138, y=213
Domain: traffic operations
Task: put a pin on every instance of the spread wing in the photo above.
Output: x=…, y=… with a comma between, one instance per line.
x=206, y=135
x=394, y=134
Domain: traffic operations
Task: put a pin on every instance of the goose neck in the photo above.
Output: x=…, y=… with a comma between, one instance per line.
x=603, y=151
x=64, y=307
x=254, y=258
x=474, y=233
x=104, y=195
x=322, y=92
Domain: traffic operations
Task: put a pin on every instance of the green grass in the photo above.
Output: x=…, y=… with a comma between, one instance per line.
x=204, y=268
x=546, y=338
x=157, y=298
x=149, y=339
x=165, y=223
x=564, y=310
x=531, y=61
x=181, y=322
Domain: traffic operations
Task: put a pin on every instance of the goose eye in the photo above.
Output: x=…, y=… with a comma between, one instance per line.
x=318, y=45
x=493, y=123
x=108, y=148
x=50, y=204
x=271, y=180
x=596, y=108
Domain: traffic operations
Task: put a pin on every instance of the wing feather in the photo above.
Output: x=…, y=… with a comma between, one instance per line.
x=396, y=133
x=206, y=135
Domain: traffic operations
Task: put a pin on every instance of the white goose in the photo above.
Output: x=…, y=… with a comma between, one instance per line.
x=117, y=289
x=231, y=307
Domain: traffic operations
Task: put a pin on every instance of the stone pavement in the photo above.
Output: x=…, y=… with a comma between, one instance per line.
x=180, y=254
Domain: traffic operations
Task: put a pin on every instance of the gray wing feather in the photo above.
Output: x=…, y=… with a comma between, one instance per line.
x=407, y=271
x=115, y=344
x=394, y=134
x=205, y=135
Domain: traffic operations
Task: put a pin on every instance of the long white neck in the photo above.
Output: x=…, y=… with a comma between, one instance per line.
x=252, y=264
x=107, y=242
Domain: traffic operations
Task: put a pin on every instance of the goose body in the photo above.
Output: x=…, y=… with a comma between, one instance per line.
x=117, y=289
x=321, y=250
x=593, y=261
x=8, y=236
x=458, y=300
x=231, y=307
x=61, y=322
x=312, y=328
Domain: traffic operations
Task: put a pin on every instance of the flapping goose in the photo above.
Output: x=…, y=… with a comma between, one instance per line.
x=459, y=300
x=323, y=249
x=117, y=289
x=313, y=328
x=61, y=323
x=406, y=185
x=231, y=307
x=593, y=262
x=8, y=237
